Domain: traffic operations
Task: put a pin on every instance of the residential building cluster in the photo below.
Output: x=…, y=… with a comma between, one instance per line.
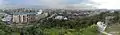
x=25, y=15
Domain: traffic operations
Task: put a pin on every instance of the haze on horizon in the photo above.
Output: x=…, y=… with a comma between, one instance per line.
x=73, y=4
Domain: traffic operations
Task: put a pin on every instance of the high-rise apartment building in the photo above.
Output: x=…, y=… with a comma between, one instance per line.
x=23, y=18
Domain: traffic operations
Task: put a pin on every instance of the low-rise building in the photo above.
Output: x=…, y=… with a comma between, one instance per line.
x=61, y=18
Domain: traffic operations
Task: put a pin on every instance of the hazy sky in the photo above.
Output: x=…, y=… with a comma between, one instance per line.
x=108, y=4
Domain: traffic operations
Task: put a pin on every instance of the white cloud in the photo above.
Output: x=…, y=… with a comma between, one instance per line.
x=108, y=4
x=80, y=6
x=52, y=4
x=59, y=4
